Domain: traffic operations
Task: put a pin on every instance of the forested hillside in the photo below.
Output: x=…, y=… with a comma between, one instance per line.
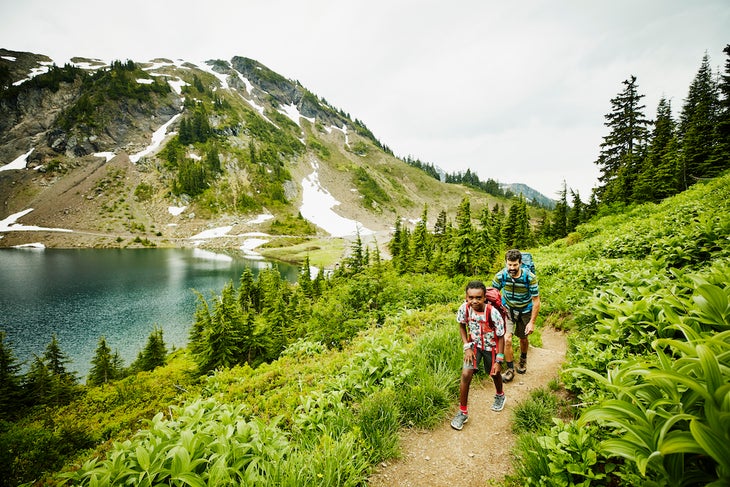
x=645, y=294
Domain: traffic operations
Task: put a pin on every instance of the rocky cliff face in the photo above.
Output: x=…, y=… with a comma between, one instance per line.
x=112, y=147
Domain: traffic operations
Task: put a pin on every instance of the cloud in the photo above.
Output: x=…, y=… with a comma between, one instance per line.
x=509, y=90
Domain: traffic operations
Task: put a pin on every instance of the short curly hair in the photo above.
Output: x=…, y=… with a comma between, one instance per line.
x=513, y=255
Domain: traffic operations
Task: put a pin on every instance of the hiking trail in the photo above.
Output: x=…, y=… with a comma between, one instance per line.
x=480, y=454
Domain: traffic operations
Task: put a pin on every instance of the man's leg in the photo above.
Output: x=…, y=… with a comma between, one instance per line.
x=524, y=345
x=509, y=354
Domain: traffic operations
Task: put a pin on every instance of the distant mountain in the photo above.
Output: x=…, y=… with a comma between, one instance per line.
x=107, y=150
x=531, y=195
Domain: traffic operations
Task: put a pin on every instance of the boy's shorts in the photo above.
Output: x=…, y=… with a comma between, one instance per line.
x=518, y=325
x=484, y=356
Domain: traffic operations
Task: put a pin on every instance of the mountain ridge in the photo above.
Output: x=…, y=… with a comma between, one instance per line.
x=253, y=133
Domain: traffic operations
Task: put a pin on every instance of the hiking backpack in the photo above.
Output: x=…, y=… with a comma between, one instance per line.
x=493, y=298
x=528, y=263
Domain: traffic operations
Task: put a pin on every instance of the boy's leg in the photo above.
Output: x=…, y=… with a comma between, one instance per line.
x=466, y=376
x=462, y=415
x=499, y=396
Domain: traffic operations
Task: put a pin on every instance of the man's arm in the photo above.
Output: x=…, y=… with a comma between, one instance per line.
x=530, y=326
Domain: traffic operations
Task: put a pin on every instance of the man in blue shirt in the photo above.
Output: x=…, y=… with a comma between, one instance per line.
x=521, y=297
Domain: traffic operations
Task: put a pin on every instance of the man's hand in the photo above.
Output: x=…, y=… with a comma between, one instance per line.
x=529, y=327
x=496, y=368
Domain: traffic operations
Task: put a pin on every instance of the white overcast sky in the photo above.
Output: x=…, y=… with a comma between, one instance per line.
x=516, y=91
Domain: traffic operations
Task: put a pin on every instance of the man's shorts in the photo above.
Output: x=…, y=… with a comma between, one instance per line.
x=482, y=356
x=517, y=325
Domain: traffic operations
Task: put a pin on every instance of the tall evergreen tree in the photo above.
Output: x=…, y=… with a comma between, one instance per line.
x=575, y=214
x=622, y=150
x=421, y=244
x=102, y=365
x=658, y=177
x=11, y=391
x=462, y=256
x=559, y=224
x=721, y=155
x=697, y=123
x=63, y=382
x=38, y=383
x=154, y=353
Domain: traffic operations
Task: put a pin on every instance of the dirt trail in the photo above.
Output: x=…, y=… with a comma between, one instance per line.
x=479, y=454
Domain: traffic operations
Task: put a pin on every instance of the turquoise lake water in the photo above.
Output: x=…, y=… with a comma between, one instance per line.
x=121, y=294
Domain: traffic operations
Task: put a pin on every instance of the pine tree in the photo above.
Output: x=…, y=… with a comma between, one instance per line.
x=658, y=177
x=462, y=257
x=622, y=150
x=697, y=128
x=559, y=224
x=154, y=353
x=11, y=390
x=720, y=159
x=575, y=214
x=102, y=365
x=38, y=383
x=63, y=382
x=421, y=244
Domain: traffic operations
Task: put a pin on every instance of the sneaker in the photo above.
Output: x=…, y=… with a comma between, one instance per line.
x=522, y=366
x=508, y=375
x=458, y=422
x=498, y=403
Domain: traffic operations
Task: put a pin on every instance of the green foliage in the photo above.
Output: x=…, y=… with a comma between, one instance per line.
x=566, y=456
x=373, y=194
x=378, y=420
x=144, y=192
x=292, y=225
x=534, y=414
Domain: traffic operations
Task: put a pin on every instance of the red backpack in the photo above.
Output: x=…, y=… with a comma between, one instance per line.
x=493, y=298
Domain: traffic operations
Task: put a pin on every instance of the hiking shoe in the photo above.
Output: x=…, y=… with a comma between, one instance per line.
x=522, y=366
x=498, y=402
x=508, y=375
x=458, y=422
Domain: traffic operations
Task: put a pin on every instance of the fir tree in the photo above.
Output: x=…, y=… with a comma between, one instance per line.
x=622, y=150
x=575, y=214
x=697, y=128
x=462, y=258
x=658, y=177
x=421, y=244
x=721, y=155
x=102, y=365
x=11, y=390
x=154, y=353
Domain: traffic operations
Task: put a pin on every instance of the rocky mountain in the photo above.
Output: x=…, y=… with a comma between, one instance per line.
x=156, y=152
x=530, y=194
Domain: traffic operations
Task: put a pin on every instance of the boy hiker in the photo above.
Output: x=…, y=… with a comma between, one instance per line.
x=482, y=330
x=521, y=297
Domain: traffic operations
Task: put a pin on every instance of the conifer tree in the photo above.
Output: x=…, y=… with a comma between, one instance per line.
x=38, y=383
x=63, y=382
x=559, y=224
x=622, y=150
x=421, y=244
x=248, y=296
x=697, y=128
x=462, y=257
x=658, y=177
x=11, y=391
x=102, y=365
x=304, y=279
x=721, y=154
x=223, y=345
x=154, y=353
x=575, y=214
